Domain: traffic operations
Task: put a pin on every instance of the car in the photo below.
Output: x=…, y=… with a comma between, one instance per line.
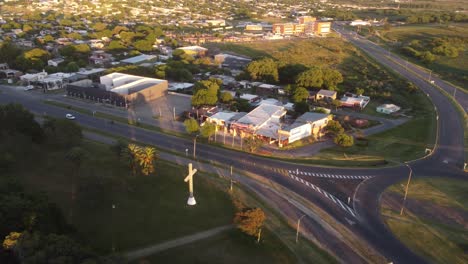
x=29, y=87
x=70, y=116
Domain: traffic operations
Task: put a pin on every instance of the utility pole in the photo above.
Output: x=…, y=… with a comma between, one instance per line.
x=430, y=73
x=230, y=187
x=297, y=229
x=173, y=110
x=406, y=190
x=195, y=146
x=160, y=113
x=454, y=92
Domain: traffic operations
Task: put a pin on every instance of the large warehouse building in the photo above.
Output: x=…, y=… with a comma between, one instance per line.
x=120, y=89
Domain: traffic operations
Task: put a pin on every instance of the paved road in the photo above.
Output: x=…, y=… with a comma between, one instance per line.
x=446, y=160
x=331, y=187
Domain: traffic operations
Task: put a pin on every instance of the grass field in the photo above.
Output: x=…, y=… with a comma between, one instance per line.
x=149, y=209
x=232, y=247
x=451, y=69
x=440, y=238
x=402, y=143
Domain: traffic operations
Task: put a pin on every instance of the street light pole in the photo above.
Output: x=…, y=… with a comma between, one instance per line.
x=297, y=229
x=406, y=190
x=230, y=188
x=195, y=146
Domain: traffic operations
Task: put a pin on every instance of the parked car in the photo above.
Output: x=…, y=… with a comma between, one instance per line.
x=29, y=87
x=69, y=116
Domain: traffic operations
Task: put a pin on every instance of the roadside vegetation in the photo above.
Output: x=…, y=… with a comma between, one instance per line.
x=135, y=199
x=434, y=220
x=442, y=48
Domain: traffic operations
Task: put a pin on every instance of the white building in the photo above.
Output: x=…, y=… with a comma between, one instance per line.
x=353, y=100
x=55, y=62
x=304, y=126
x=388, y=108
x=140, y=59
x=359, y=23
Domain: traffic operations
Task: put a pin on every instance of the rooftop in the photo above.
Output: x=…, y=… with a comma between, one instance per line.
x=139, y=59
x=127, y=84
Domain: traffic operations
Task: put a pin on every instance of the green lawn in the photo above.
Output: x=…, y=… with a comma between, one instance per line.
x=451, y=69
x=402, y=143
x=149, y=209
x=232, y=247
x=441, y=242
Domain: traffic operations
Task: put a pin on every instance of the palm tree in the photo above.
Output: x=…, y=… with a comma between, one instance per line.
x=147, y=157
x=134, y=153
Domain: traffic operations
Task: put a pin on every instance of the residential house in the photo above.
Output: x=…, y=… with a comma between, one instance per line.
x=143, y=58
x=55, y=62
x=353, y=100
x=325, y=95
x=388, y=108
x=99, y=57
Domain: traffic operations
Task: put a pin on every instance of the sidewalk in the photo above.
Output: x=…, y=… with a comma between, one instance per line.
x=150, y=250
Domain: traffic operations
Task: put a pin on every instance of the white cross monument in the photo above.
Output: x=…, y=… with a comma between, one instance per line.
x=189, y=178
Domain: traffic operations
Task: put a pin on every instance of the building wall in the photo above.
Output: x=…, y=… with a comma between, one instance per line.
x=321, y=28
x=148, y=94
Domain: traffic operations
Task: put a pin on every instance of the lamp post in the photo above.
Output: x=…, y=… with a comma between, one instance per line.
x=298, y=225
x=406, y=190
x=195, y=146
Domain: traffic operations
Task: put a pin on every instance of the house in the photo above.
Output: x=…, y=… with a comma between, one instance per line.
x=251, y=98
x=32, y=77
x=195, y=51
x=143, y=58
x=304, y=126
x=9, y=74
x=99, y=57
x=55, y=62
x=231, y=61
x=353, y=100
x=388, y=108
x=265, y=89
x=180, y=86
x=221, y=118
x=325, y=95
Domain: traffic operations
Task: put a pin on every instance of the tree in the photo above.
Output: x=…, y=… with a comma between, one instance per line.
x=133, y=153
x=301, y=107
x=344, y=140
x=359, y=91
x=336, y=103
x=118, y=29
x=72, y=67
x=207, y=130
x=300, y=94
x=206, y=92
x=115, y=45
x=143, y=45
x=334, y=127
x=191, y=126
x=62, y=133
x=289, y=72
x=99, y=26
x=253, y=143
x=265, y=70
x=331, y=78
x=312, y=78
x=427, y=57
x=147, y=157
x=15, y=119
x=250, y=221
x=226, y=97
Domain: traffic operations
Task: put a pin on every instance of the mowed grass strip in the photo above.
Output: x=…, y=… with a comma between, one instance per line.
x=440, y=242
x=403, y=143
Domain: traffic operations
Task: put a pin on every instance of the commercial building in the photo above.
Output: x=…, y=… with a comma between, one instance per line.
x=231, y=61
x=120, y=89
x=308, y=124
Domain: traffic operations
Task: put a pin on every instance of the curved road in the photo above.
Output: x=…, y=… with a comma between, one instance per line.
x=328, y=188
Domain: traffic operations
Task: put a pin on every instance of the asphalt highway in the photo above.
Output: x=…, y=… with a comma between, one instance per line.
x=328, y=188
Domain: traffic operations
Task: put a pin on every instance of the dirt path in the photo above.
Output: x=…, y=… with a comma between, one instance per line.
x=150, y=250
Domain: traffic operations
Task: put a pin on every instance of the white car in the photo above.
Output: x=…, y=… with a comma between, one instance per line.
x=69, y=116
x=29, y=87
